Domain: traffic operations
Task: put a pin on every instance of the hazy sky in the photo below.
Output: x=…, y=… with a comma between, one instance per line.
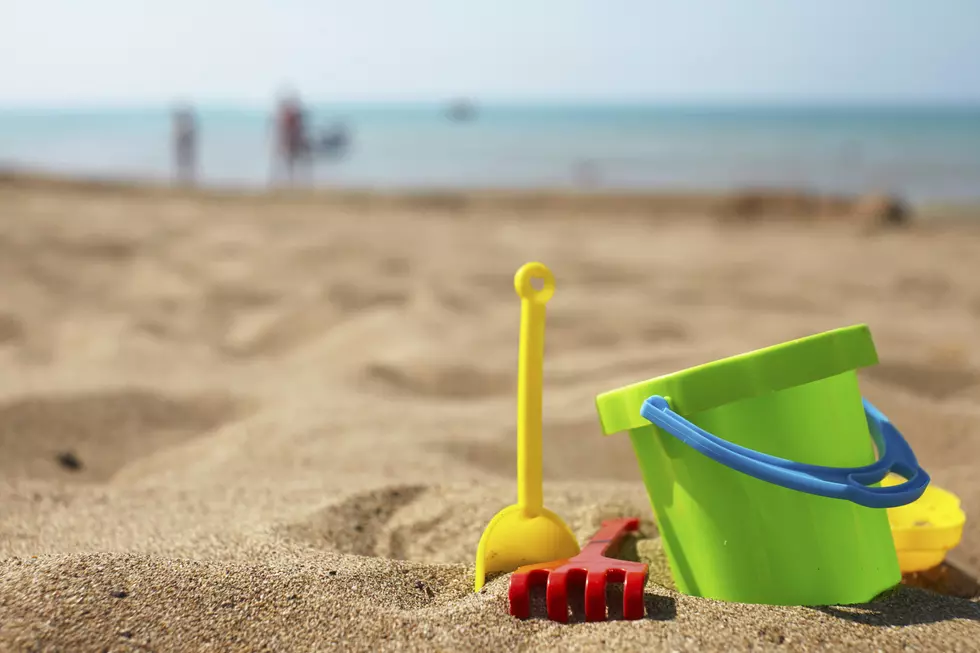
x=139, y=51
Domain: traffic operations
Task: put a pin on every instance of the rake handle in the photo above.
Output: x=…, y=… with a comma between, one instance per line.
x=530, y=379
x=608, y=538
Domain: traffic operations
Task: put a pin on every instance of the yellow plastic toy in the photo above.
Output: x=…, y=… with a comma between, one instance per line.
x=926, y=529
x=527, y=533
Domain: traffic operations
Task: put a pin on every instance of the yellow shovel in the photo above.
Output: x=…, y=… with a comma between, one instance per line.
x=527, y=532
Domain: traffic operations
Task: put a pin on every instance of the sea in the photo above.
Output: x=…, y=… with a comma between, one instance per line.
x=923, y=154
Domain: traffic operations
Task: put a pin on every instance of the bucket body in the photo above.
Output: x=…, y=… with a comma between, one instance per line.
x=732, y=537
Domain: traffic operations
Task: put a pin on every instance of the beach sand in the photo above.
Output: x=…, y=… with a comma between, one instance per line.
x=239, y=423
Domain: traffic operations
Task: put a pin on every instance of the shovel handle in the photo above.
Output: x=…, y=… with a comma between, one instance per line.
x=530, y=373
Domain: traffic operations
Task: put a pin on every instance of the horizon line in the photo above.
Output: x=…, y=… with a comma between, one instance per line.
x=554, y=102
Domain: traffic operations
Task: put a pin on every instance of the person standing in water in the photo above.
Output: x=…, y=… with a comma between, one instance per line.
x=292, y=145
x=185, y=144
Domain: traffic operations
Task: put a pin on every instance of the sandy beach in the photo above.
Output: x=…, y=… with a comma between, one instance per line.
x=281, y=422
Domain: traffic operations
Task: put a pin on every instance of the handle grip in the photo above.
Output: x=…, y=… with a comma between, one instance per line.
x=850, y=483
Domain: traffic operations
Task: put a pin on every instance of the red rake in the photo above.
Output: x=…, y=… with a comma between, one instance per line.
x=591, y=569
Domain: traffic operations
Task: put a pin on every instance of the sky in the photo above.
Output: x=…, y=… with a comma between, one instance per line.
x=126, y=52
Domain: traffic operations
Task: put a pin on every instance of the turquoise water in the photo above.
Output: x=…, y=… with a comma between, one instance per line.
x=923, y=154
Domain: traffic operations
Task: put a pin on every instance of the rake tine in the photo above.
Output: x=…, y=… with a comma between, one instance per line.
x=521, y=584
x=519, y=595
x=557, y=596
x=595, y=596
x=633, y=595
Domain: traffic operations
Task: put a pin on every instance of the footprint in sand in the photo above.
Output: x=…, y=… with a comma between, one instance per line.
x=592, y=274
x=276, y=329
x=100, y=248
x=89, y=437
x=356, y=524
x=576, y=331
x=11, y=329
x=359, y=296
x=428, y=379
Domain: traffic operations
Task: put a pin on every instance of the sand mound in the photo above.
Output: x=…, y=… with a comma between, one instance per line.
x=90, y=436
x=282, y=422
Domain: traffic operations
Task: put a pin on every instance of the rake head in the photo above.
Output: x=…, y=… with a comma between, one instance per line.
x=590, y=571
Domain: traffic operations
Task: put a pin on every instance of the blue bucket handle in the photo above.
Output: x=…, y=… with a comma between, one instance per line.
x=849, y=483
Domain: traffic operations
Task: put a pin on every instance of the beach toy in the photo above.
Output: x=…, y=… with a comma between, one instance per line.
x=527, y=532
x=779, y=506
x=926, y=529
x=590, y=570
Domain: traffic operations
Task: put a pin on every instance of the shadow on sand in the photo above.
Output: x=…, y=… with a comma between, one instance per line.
x=908, y=605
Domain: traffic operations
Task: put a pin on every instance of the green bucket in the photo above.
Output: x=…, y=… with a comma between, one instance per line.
x=775, y=507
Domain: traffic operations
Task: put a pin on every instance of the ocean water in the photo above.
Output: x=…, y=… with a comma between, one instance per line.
x=923, y=154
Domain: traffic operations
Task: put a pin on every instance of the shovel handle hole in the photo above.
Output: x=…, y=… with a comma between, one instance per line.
x=534, y=282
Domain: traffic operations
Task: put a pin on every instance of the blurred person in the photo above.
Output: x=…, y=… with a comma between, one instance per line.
x=292, y=142
x=185, y=144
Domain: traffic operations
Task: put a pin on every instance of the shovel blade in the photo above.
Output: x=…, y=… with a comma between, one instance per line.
x=513, y=539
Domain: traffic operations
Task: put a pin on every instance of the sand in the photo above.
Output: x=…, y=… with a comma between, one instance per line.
x=239, y=423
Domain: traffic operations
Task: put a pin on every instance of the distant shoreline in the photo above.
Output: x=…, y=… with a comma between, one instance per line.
x=748, y=203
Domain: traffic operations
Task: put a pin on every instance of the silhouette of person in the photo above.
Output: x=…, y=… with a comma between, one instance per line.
x=185, y=144
x=292, y=143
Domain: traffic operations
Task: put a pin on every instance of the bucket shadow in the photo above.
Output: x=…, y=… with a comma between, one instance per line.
x=948, y=578
x=906, y=606
x=932, y=596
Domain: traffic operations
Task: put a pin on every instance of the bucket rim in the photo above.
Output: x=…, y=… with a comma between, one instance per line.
x=744, y=376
